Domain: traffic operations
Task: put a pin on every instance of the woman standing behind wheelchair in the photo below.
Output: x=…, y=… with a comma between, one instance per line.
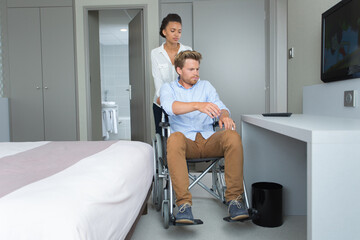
x=162, y=59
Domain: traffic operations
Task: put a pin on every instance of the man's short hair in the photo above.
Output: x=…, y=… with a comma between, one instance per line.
x=180, y=58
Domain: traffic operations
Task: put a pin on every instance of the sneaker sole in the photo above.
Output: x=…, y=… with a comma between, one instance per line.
x=188, y=221
x=239, y=217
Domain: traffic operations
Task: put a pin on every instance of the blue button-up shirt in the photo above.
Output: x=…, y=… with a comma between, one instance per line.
x=193, y=122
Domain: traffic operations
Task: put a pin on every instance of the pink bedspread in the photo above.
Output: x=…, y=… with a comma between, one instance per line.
x=30, y=166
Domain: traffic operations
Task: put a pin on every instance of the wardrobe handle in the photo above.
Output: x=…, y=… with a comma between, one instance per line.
x=46, y=87
x=37, y=87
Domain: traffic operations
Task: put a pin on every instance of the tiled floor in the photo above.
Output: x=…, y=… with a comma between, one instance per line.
x=211, y=212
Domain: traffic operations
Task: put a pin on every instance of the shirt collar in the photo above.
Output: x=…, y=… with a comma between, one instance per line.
x=181, y=86
x=163, y=51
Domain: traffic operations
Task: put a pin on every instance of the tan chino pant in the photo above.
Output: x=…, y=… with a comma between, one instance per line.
x=225, y=143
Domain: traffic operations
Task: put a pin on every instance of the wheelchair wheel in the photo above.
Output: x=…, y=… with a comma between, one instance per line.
x=159, y=147
x=155, y=199
x=154, y=193
x=159, y=193
x=158, y=181
x=155, y=172
x=166, y=213
x=221, y=185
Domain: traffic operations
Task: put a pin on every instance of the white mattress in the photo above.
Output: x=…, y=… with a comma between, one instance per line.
x=98, y=197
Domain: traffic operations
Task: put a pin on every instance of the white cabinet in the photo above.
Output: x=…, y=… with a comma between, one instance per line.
x=42, y=74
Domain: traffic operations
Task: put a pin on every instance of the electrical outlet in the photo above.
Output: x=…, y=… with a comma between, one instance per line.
x=291, y=53
x=349, y=98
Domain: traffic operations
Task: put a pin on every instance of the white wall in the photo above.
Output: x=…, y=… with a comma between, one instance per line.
x=328, y=99
x=304, y=35
x=151, y=40
x=234, y=52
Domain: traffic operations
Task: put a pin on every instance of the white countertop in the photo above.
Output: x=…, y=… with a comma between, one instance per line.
x=310, y=128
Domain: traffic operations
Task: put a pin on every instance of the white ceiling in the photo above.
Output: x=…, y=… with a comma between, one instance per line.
x=110, y=23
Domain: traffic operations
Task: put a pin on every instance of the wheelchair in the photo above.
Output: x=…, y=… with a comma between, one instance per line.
x=163, y=195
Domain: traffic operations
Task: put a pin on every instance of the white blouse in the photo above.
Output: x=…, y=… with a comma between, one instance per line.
x=162, y=68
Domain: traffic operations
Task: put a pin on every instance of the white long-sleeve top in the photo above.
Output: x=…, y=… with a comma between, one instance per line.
x=162, y=69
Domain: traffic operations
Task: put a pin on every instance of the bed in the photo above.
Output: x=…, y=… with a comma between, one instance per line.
x=73, y=190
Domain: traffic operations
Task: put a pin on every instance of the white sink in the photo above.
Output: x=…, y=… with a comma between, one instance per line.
x=108, y=104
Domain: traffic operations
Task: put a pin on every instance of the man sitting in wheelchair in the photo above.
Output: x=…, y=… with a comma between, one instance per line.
x=192, y=104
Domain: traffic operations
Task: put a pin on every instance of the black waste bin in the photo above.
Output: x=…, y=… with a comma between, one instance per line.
x=267, y=202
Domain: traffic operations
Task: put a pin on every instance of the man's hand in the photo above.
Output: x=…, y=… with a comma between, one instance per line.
x=226, y=121
x=211, y=109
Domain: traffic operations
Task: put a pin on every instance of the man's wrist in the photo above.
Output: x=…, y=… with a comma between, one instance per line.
x=224, y=113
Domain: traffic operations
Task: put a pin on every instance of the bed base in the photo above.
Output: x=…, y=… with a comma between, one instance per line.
x=143, y=211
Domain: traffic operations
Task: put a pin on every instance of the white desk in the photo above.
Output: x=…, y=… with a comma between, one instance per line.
x=317, y=160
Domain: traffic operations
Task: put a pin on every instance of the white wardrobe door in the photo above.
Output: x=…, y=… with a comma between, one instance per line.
x=26, y=99
x=58, y=73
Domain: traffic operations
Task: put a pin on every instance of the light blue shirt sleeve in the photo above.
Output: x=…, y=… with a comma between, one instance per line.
x=213, y=97
x=167, y=98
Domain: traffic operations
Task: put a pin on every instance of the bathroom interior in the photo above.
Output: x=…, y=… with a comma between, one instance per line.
x=114, y=72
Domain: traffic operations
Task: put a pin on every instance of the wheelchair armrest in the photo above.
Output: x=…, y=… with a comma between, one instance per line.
x=164, y=124
x=216, y=123
x=164, y=119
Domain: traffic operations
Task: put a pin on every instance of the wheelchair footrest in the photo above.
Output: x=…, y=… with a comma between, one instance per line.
x=196, y=222
x=252, y=215
x=228, y=219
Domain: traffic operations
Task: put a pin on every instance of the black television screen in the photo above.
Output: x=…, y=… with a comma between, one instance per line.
x=340, y=43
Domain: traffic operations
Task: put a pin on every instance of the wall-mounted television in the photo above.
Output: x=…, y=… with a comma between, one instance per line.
x=340, y=42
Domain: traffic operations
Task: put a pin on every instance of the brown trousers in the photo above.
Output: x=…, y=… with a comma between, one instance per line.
x=225, y=143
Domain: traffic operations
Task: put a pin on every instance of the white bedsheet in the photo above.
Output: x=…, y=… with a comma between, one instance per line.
x=11, y=148
x=97, y=198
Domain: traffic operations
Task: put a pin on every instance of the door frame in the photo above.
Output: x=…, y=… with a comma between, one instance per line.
x=147, y=79
x=277, y=59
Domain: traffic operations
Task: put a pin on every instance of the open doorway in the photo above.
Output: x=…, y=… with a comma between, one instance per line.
x=114, y=72
x=117, y=74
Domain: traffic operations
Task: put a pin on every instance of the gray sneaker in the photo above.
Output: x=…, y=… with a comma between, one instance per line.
x=237, y=209
x=185, y=214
